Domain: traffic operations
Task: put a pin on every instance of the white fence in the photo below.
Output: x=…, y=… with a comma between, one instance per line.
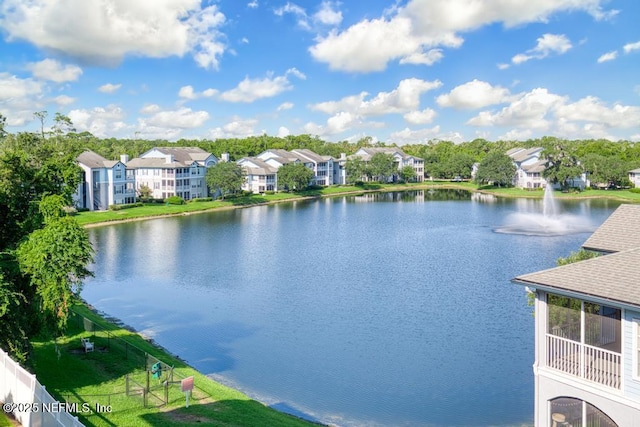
x=28, y=400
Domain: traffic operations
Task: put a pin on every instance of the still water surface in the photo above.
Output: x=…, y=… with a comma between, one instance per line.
x=389, y=309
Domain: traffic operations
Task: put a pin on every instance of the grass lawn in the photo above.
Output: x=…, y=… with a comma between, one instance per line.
x=99, y=377
x=5, y=421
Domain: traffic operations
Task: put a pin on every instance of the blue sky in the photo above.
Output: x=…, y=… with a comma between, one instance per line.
x=398, y=71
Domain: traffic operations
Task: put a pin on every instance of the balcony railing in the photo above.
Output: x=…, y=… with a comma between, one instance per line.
x=585, y=361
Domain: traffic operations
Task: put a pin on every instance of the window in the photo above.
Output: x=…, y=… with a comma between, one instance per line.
x=568, y=411
x=118, y=174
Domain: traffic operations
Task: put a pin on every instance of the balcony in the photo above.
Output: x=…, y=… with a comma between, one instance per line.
x=585, y=361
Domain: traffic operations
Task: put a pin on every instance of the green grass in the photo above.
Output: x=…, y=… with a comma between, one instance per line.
x=99, y=378
x=4, y=420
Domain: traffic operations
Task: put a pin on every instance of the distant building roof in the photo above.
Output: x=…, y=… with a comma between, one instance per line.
x=520, y=155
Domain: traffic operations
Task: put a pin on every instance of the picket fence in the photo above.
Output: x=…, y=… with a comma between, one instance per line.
x=27, y=399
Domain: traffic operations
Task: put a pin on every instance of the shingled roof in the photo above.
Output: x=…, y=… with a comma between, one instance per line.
x=94, y=160
x=614, y=277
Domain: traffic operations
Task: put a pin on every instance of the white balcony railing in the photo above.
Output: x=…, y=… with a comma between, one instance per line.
x=585, y=361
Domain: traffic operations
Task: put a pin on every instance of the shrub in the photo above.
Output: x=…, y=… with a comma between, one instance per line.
x=124, y=206
x=635, y=190
x=270, y=192
x=175, y=200
x=150, y=200
x=201, y=199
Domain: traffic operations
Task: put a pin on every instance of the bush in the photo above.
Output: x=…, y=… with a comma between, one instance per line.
x=635, y=190
x=124, y=206
x=201, y=199
x=270, y=192
x=175, y=200
x=150, y=200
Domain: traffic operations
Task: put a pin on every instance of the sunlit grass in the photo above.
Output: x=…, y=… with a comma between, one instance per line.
x=99, y=378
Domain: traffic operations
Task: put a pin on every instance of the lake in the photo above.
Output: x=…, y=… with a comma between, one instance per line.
x=391, y=309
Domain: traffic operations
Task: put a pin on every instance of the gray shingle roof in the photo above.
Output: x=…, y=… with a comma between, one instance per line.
x=620, y=232
x=522, y=155
x=93, y=160
x=614, y=277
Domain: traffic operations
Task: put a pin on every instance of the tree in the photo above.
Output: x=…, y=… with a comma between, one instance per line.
x=294, y=176
x=382, y=166
x=227, y=177
x=55, y=259
x=41, y=116
x=407, y=173
x=356, y=169
x=563, y=165
x=497, y=168
x=3, y=124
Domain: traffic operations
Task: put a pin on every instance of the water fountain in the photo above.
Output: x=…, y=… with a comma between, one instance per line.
x=548, y=223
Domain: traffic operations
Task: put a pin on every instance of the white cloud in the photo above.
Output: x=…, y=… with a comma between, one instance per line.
x=352, y=111
x=250, y=90
x=609, y=56
x=405, y=98
x=429, y=58
x=595, y=111
x=530, y=110
x=328, y=15
x=420, y=117
x=410, y=30
x=283, y=131
x=630, y=47
x=423, y=136
x=367, y=46
x=50, y=69
x=12, y=87
x=253, y=4
x=547, y=44
x=100, y=121
x=297, y=11
x=236, y=128
x=19, y=98
x=112, y=30
x=516, y=135
x=109, y=88
x=472, y=95
x=285, y=106
x=150, y=109
x=187, y=92
x=182, y=118
x=541, y=111
x=64, y=100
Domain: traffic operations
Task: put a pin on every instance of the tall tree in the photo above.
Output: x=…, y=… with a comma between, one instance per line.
x=356, y=169
x=55, y=260
x=382, y=166
x=294, y=176
x=407, y=174
x=497, y=168
x=563, y=165
x=227, y=177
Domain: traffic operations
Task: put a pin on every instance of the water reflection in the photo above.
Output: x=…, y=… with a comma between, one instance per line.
x=393, y=313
